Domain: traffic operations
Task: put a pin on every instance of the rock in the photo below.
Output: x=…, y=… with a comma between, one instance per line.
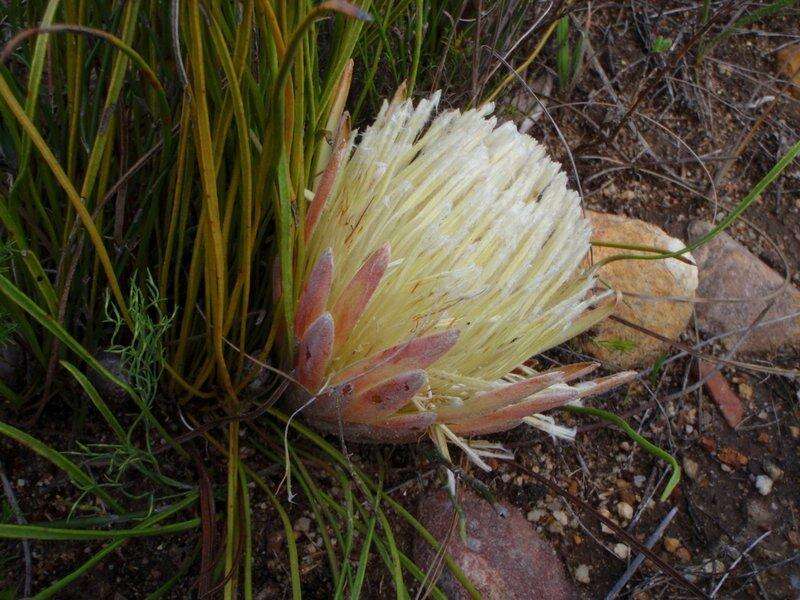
x=724, y=397
x=532, y=107
x=683, y=555
x=561, y=517
x=671, y=544
x=603, y=527
x=625, y=510
x=709, y=444
x=109, y=391
x=729, y=270
x=555, y=528
x=788, y=59
x=746, y=391
x=623, y=551
x=582, y=574
x=764, y=485
x=12, y=364
x=760, y=514
x=613, y=342
x=773, y=470
x=714, y=567
x=535, y=515
x=502, y=555
x=690, y=468
x=303, y=524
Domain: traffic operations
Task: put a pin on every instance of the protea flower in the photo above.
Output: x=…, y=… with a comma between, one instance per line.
x=439, y=258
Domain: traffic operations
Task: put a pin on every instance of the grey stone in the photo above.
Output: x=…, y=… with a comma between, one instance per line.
x=502, y=556
x=729, y=270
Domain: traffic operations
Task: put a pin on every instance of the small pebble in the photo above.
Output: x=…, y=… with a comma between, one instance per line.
x=774, y=471
x=690, y=467
x=746, y=391
x=714, y=567
x=683, y=555
x=536, y=515
x=603, y=527
x=638, y=480
x=763, y=485
x=582, y=574
x=561, y=517
x=625, y=510
x=671, y=544
x=555, y=527
x=303, y=524
x=622, y=550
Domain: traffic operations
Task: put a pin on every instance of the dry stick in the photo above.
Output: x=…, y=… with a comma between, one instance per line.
x=174, y=20
x=748, y=137
x=738, y=559
x=531, y=57
x=62, y=313
x=135, y=167
x=689, y=350
x=476, y=52
x=515, y=45
x=668, y=570
x=631, y=124
x=446, y=51
x=718, y=362
x=437, y=564
x=26, y=544
x=648, y=88
x=199, y=430
x=207, y=539
x=637, y=562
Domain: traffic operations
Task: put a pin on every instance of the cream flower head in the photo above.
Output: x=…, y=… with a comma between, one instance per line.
x=440, y=256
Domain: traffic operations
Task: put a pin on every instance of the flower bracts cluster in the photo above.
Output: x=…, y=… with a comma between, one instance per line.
x=441, y=255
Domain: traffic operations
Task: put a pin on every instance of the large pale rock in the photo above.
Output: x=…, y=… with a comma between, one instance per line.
x=613, y=342
x=729, y=270
x=503, y=556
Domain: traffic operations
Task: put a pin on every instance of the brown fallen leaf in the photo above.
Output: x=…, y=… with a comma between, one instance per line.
x=724, y=397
